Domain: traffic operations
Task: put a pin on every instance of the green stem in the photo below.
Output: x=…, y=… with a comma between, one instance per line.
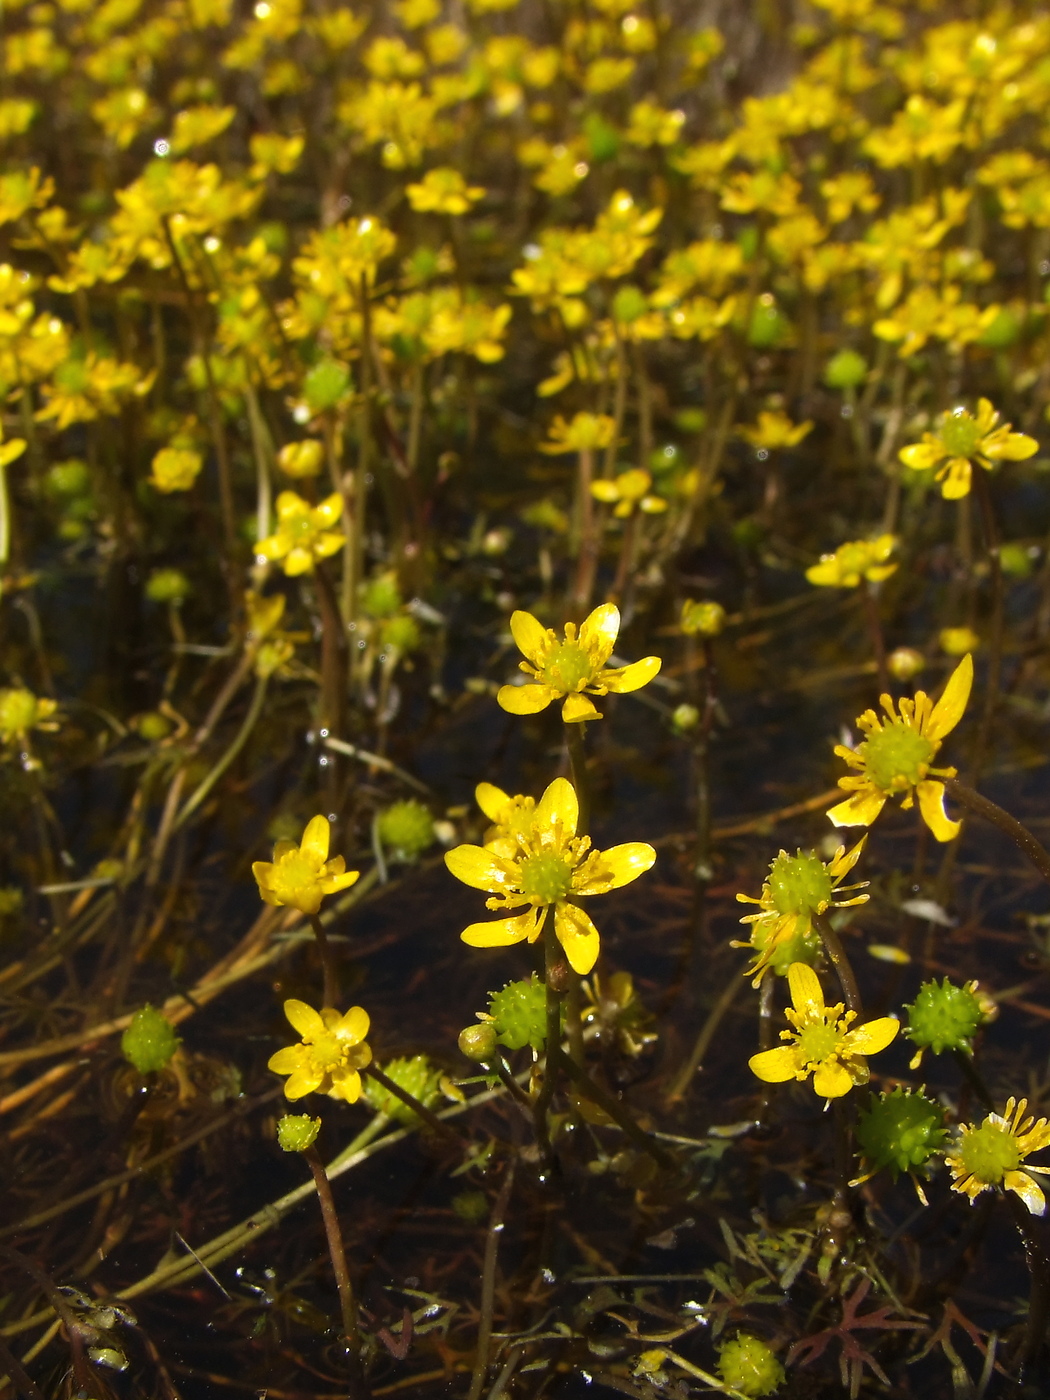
x=995, y=648
x=5, y=517
x=410, y=1101
x=488, y=1283
x=553, y=1050
x=878, y=645
x=991, y=811
x=578, y=767
x=703, y=1041
x=588, y=541
x=250, y=720
x=331, y=994
x=841, y=963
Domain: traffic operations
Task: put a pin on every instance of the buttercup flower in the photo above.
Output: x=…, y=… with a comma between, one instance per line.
x=304, y=534
x=300, y=876
x=443, y=191
x=961, y=439
x=853, y=561
x=823, y=1043
x=328, y=1057
x=799, y=888
x=774, y=430
x=630, y=492
x=551, y=868
x=585, y=433
x=175, y=469
x=571, y=667
x=895, y=757
x=22, y=711
x=993, y=1155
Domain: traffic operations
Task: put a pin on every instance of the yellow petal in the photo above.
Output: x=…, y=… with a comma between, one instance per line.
x=1021, y=1184
x=873, y=1036
x=618, y=866
x=1015, y=447
x=775, y=1066
x=315, y=840
x=304, y=1081
x=599, y=631
x=578, y=708
x=286, y=1061
x=606, y=491
x=956, y=483
x=859, y=810
x=492, y=800
x=481, y=869
x=631, y=677
x=578, y=936
x=931, y=805
x=299, y=561
x=329, y=511
x=328, y=544
x=290, y=503
x=806, y=995
x=921, y=456
x=524, y=699
x=559, y=803
x=332, y=884
x=843, y=861
x=346, y=1085
x=949, y=709
x=263, y=872
x=832, y=1080
x=304, y=1019
x=499, y=933
x=530, y=636
x=354, y=1025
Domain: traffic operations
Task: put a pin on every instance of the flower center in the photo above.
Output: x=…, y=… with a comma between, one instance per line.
x=897, y=757
x=989, y=1152
x=799, y=884
x=327, y=1052
x=300, y=527
x=960, y=434
x=567, y=666
x=545, y=878
x=818, y=1041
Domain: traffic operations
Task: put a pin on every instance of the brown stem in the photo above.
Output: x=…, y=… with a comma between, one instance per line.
x=703, y=1041
x=553, y=1050
x=588, y=544
x=578, y=766
x=57, y=1300
x=991, y=811
x=23, y=1382
x=878, y=645
x=841, y=963
x=337, y=1254
x=330, y=996
x=616, y=1111
x=995, y=647
x=488, y=1283
x=334, y=649
x=1038, y=1261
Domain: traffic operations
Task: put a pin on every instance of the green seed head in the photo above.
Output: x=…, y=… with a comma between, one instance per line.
x=325, y=385
x=901, y=1130
x=959, y=433
x=702, y=619
x=519, y=1014
x=546, y=877
x=399, y=633
x=799, y=884
x=381, y=596
x=846, y=370
x=297, y=1131
x=989, y=1152
x=406, y=830
x=897, y=757
x=150, y=1041
x=167, y=586
x=416, y=1075
x=943, y=1016
x=746, y=1364
x=567, y=666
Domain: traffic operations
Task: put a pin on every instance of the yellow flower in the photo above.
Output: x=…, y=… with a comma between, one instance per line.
x=22, y=711
x=300, y=876
x=304, y=534
x=585, y=433
x=175, y=469
x=550, y=868
x=961, y=439
x=330, y=1054
x=799, y=888
x=775, y=430
x=443, y=191
x=854, y=560
x=895, y=757
x=570, y=666
x=301, y=459
x=630, y=491
x=993, y=1155
x=824, y=1045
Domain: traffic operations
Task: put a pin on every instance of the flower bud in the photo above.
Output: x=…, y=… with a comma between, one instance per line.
x=167, y=586
x=685, y=718
x=297, y=1131
x=905, y=662
x=957, y=641
x=702, y=619
x=406, y=829
x=149, y=1041
x=478, y=1042
x=301, y=459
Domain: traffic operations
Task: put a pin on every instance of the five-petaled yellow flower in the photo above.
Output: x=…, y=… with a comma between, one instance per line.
x=330, y=1054
x=565, y=668
x=798, y=889
x=994, y=1155
x=822, y=1042
x=300, y=876
x=895, y=757
x=304, y=532
x=775, y=430
x=21, y=711
x=853, y=561
x=550, y=868
x=962, y=438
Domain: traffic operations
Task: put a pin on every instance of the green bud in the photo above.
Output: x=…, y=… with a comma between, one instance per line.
x=769, y=326
x=665, y=458
x=944, y=1017
x=690, y=420
x=1004, y=331
x=380, y=596
x=901, y=1130
x=406, y=830
x=325, y=385
x=905, y=663
x=479, y=1042
x=167, y=586
x=68, y=479
x=629, y=304
x=297, y=1131
x=702, y=619
x=1015, y=560
x=416, y=1075
x=11, y=900
x=748, y=1365
x=399, y=633
x=519, y=1013
x=846, y=370
x=153, y=726
x=149, y=1041
x=685, y=718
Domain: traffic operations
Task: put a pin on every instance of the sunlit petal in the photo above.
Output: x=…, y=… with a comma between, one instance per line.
x=775, y=1066
x=859, y=810
x=354, y=1025
x=832, y=1080
x=480, y=868
x=632, y=677
x=949, y=709
x=287, y=1060
x=873, y=1036
x=498, y=933
x=599, y=631
x=843, y=861
x=329, y=511
x=530, y=636
x=346, y=1085
x=578, y=708
x=560, y=804
x=578, y=936
x=304, y=1019
x=956, y=483
x=806, y=994
x=492, y=800
x=1021, y=1184
x=304, y=1081
x=931, y=805
x=332, y=884
x=921, y=455
x=619, y=865
x=524, y=699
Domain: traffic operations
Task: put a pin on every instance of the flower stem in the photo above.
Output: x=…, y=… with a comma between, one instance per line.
x=587, y=551
x=714, y=1019
x=616, y=1111
x=330, y=996
x=991, y=811
x=841, y=963
x=337, y=1253
x=578, y=767
x=243, y=734
x=488, y=1282
x=995, y=649
x=553, y=1049
x=1038, y=1261
x=410, y=1101
x=878, y=645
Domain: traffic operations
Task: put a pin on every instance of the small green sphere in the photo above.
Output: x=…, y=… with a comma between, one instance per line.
x=406, y=830
x=167, y=586
x=153, y=726
x=702, y=618
x=478, y=1042
x=297, y=1131
x=685, y=718
x=325, y=385
x=749, y=1366
x=846, y=370
x=943, y=1016
x=150, y=1040
x=901, y=1130
x=519, y=1013
x=381, y=596
x=399, y=633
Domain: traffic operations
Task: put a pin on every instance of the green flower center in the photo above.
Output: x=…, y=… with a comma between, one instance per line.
x=799, y=884
x=566, y=667
x=545, y=878
x=327, y=1052
x=818, y=1041
x=960, y=434
x=897, y=757
x=989, y=1152
x=299, y=527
